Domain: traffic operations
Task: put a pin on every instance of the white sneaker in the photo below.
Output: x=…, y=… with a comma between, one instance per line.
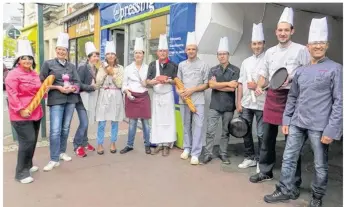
x=51, y=165
x=185, y=155
x=257, y=170
x=247, y=163
x=65, y=157
x=34, y=169
x=26, y=180
x=194, y=160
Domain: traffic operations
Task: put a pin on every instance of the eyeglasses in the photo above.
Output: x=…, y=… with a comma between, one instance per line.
x=318, y=43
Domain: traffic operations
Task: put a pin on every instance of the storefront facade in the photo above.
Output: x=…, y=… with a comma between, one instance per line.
x=123, y=22
x=81, y=29
x=147, y=20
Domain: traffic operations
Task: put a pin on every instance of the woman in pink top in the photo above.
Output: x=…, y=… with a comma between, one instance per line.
x=22, y=83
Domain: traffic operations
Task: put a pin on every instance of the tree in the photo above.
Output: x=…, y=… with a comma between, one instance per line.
x=9, y=46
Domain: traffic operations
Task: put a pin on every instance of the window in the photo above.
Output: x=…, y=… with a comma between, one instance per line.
x=150, y=30
x=81, y=53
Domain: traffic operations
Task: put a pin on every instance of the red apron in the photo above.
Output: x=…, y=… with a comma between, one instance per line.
x=274, y=106
x=138, y=108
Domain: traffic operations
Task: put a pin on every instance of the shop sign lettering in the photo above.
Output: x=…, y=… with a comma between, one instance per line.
x=121, y=11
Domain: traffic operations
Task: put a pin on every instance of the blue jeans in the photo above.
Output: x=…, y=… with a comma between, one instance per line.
x=101, y=131
x=60, y=119
x=132, y=132
x=295, y=141
x=80, y=138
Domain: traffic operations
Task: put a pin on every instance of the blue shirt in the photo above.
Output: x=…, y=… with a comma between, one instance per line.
x=315, y=100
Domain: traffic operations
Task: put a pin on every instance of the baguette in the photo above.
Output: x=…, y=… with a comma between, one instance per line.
x=36, y=101
x=188, y=101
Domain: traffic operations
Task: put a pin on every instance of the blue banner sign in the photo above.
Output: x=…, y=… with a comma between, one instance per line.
x=113, y=13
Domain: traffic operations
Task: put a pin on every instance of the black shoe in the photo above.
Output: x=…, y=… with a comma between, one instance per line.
x=224, y=159
x=276, y=197
x=260, y=177
x=126, y=149
x=315, y=202
x=148, y=150
x=206, y=159
x=113, y=151
x=295, y=194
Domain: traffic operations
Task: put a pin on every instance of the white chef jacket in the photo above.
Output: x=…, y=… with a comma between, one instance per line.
x=133, y=78
x=251, y=66
x=291, y=57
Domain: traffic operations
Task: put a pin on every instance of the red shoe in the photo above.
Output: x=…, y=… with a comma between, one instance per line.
x=80, y=152
x=89, y=148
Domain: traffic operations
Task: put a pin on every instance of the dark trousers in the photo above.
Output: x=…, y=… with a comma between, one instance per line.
x=267, y=158
x=27, y=138
x=249, y=114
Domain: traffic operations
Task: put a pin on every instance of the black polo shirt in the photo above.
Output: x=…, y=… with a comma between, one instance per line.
x=169, y=69
x=220, y=100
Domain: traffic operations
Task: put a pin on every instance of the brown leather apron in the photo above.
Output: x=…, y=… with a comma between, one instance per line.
x=140, y=107
x=274, y=106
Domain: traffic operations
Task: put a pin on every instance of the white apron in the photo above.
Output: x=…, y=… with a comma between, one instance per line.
x=89, y=99
x=163, y=115
x=110, y=106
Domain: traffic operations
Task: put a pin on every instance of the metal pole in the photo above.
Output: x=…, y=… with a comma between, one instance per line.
x=41, y=60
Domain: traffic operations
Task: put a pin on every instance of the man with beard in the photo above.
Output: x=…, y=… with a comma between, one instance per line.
x=291, y=56
x=313, y=111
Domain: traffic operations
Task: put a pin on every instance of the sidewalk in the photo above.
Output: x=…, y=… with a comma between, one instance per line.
x=155, y=180
x=131, y=180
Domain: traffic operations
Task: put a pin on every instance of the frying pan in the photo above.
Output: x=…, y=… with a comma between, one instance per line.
x=278, y=78
x=239, y=127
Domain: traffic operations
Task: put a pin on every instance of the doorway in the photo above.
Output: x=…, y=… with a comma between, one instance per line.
x=118, y=38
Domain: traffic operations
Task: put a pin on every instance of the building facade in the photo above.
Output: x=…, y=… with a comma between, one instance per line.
x=83, y=25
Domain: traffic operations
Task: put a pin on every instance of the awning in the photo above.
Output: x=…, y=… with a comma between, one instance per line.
x=78, y=12
x=29, y=34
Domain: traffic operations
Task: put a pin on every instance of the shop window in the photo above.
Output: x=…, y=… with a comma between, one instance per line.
x=150, y=30
x=81, y=53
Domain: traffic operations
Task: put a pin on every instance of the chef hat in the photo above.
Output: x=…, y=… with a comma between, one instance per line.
x=163, y=42
x=90, y=48
x=287, y=16
x=223, y=45
x=257, y=32
x=318, y=30
x=139, y=44
x=110, y=47
x=191, y=39
x=24, y=48
x=63, y=40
